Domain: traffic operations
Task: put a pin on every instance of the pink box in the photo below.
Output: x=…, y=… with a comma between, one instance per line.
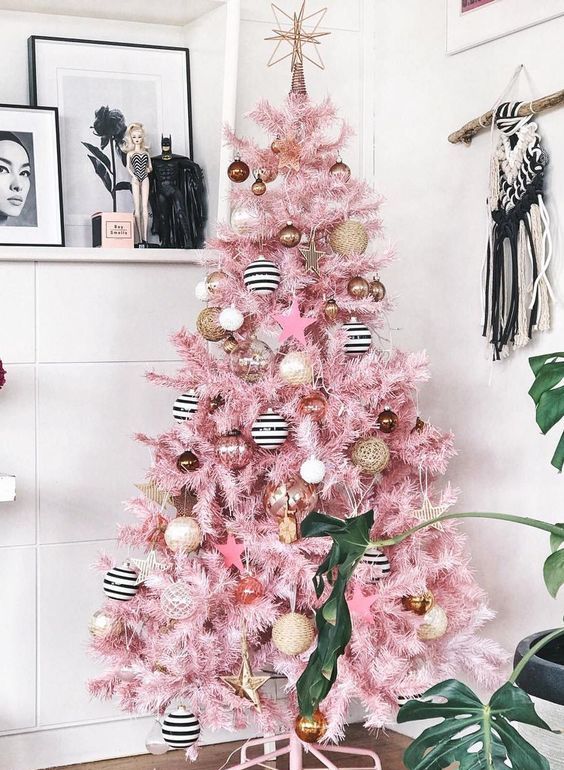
x=470, y=5
x=113, y=230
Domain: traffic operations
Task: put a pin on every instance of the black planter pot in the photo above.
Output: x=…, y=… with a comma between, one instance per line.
x=543, y=676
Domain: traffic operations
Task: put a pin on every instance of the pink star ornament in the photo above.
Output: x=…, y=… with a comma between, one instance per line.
x=360, y=604
x=231, y=551
x=293, y=324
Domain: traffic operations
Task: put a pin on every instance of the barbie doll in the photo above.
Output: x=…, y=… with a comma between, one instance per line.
x=139, y=166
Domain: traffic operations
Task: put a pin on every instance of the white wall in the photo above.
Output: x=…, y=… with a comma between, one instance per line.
x=435, y=215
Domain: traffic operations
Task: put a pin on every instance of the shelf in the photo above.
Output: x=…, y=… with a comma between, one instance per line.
x=61, y=254
x=175, y=12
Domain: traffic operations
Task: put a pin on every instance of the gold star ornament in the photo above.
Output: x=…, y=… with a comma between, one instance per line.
x=428, y=512
x=311, y=255
x=246, y=684
x=153, y=493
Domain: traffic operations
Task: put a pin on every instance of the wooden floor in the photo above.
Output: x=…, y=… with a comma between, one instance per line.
x=390, y=747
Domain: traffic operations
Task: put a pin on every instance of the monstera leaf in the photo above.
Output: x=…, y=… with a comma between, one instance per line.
x=351, y=538
x=476, y=735
x=548, y=395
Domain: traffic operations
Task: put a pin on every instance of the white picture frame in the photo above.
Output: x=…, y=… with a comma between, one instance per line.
x=493, y=20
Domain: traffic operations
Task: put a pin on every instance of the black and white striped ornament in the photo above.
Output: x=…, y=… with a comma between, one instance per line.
x=185, y=406
x=121, y=583
x=262, y=276
x=378, y=562
x=359, y=338
x=270, y=430
x=180, y=728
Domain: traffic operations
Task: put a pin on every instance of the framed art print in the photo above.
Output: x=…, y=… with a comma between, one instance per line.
x=31, y=208
x=128, y=82
x=473, y=22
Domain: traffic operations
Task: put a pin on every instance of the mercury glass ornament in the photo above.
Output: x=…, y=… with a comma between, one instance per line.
x=155, y=743
x=377, y=290
x=187, y=461
x=233, y=450
x=314, y=405
x=238, y=171
x=311, y=729
x=289, y=235
x=331, y=310
x=295, y=368
x=295, y=497
x=251, y=360
x=340, y=170
x=216, y=280
x=387, y=421
x=244, y=219
x=358, y=287
x=249, y=590
x=183, y=533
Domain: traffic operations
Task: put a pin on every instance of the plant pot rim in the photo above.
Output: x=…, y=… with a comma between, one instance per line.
x=540, y=678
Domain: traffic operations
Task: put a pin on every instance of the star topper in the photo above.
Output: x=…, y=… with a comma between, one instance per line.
x=296, y=36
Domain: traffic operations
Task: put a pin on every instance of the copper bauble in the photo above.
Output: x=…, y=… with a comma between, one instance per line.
x=331, y=310
x=371, y=454
x=208, y=324
x=268, y=174
x=258, y=186
x=387, y=421
x=187, y=461
x=230, y=344
x=233, y=450
x=377, y=290
x=215, y=280
x=251, y=360
x=183, y=534
x=340, y=170
x=289, y=235
x=238, y=171
x=358, y=287
x=295, y=368
x=419, y=603
x=311, y=729
x=249, y=590
x=217, y=401
x=276, y=145
x=314, y=405
x=419, y=425
x=295, y=497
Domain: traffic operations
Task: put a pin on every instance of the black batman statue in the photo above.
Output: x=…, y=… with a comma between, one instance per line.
x=178, y=199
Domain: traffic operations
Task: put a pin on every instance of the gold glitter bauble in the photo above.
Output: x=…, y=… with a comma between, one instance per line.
x=419, y=603
x=435, y=625
x=349, y=238
x=183, y=533
x=311, y=729
x=371, y=454
x=358, y=287
x=293, y=633
x=208, y=324
x=295, y=368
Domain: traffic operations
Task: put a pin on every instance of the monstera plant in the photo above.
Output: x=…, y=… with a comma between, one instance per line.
x=547, y=392
x=476, y=735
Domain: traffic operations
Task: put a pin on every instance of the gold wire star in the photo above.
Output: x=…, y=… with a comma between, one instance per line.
x=311, y=255
x=153, y=493
x=147, y=566
x=296, y=36
x=428, y=512
x=246, y=684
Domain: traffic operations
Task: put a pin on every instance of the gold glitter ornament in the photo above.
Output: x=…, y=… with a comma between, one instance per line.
x=371, y=454
x=420, y=604
x=208, y=324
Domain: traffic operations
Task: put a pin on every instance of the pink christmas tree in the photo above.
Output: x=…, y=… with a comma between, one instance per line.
x=300, y=404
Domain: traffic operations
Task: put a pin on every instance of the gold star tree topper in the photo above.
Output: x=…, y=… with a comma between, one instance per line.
x=246, y=684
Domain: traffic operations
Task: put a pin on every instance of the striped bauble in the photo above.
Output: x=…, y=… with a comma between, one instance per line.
x=185, y=406
x=121, y=583
x=378, y=563
x=262, y=276
x=270, y=430
x=359, y=338
x=180, y=728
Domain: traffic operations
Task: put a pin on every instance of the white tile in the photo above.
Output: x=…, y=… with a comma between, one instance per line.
x=17, y=301
x=113, y=312
x=88, y=461
x=17, y=454
x=69, y=592
x=17, y=640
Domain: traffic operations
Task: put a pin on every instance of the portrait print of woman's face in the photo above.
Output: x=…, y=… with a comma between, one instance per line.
x=15, y=177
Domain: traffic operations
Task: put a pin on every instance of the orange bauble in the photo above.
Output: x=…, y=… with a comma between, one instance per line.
x=314, y=405
x=249, y=590
x=311, y=729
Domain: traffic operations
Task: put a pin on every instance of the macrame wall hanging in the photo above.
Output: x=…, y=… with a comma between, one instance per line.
x=517, y=292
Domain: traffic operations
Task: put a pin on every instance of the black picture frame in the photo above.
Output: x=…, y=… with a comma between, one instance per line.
x=43, y=190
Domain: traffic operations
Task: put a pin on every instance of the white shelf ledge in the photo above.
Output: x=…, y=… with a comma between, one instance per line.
x=70, y=254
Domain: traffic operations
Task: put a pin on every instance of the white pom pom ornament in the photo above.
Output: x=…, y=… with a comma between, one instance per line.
x=231, y=319
x=201, y=291
x=312, y=470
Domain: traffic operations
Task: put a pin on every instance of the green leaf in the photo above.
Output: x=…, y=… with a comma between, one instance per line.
x=537, y=362
x=550, y=408
x=556, y=540
x=558, y=456
x=351, y=538
x=472, y=734
x=549, y=376
x=553, y=572
x=98, y=154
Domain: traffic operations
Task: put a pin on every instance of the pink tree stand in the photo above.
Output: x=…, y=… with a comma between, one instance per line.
x=295, y=749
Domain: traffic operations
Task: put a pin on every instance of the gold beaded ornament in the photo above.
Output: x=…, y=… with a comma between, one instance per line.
x=349, y=237
x=208, y=325
x=371, y=454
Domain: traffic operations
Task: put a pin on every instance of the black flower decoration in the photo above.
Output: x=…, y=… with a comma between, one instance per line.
x=109, y=124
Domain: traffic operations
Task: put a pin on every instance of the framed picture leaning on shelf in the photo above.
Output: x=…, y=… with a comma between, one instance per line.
x=31, y=208
x=92, y=79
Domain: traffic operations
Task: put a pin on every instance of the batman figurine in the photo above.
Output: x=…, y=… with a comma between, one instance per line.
x=178, y=199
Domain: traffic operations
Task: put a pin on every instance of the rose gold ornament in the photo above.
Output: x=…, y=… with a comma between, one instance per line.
x=377, y=290
x=387, y=421
x=289, y=236
x=419, y=603
x=238, y=171
x=371, y=454
x=268, y=174
x=358, y=287
x=208, y=324
x=251, y=360
x=258, y=187
x=276, y=145
x=311, y=729
x=340, y=170
x=314, y=405
x=331, y=310
x=233, y=450
x=295, y=368
x=187, y=462
x=249, y=590
x=215, y=280
x=288, y=530
x=295, y=497
x=183, y=534
x=230, y=344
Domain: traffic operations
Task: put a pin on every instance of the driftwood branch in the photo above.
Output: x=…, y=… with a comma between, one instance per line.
x=469, y=131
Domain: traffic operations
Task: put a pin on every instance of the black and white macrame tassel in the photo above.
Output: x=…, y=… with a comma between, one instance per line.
x=517, y=290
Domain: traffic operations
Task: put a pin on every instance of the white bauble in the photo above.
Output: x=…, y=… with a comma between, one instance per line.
x=201, y=291
x=231, y=319
x=312, y=470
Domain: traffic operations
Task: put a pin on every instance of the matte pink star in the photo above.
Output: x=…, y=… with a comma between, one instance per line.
x=231, y=551
x=360, y=604
x=292, y=323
